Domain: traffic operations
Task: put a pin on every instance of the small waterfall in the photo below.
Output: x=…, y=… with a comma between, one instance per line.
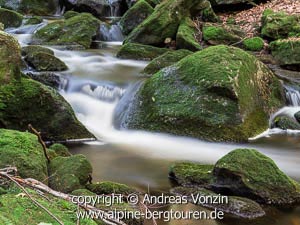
x=115, y=8
x=110, y=33
x=60, y=11
x=292, y=95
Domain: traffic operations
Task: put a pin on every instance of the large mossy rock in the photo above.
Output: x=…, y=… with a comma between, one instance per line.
x=135, y=15
x=287, y=52
x=247, y=172
x=69, y=173
x=80, y=29
x=217, y=34
x=166, y=59
x=279, y=25
x=140, y=52
x=219, y=94
x=186, y=36
x=10, y=18
x=22, y=150
x=164, y=21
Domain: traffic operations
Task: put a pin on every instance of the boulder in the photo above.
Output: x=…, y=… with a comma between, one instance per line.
x=219, y=94
x=135, y=15
x=232, y=205
x=69, y=173
x=140, y=52
x=254, y=44
x=107, y=188
x=10, y=18
x=41, y=61
x=285, y=123
x=80, y=29
x=185, y=37
x=287, y=52
x=50, y=79
x=166, y=59
x=217, y=34
x=60, y=150
x=247, y=172
x=23, y=150
x=164, y=21
x=279, y=25
x=187, y=173
x=34, y=20
x=70, y=14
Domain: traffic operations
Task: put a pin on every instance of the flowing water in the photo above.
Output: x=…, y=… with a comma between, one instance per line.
x=97, y=80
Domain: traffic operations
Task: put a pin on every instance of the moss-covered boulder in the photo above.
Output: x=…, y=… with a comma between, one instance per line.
x=186, y=36
x=254, y=44
x=232, y=205
x=107, y=187
x=69, y=173
x=10, y=18
x=60, y=150
x=287, y=52
x=187, y=173
x=135, y=15
x=278, y=25
x=41, y=61
x=34, y=20
x=166, y=59
x=78, y=29
x=32, y=49
x=247, y=172
x=22, y=150
x=140, y=52
x=164, y=21
x=21, y=210
x=219, y=94
x=285, y=123
x=216, y=34
x=70, y=14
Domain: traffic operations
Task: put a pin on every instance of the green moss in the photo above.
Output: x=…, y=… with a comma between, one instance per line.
x=69, y=173
x=34, y=20
x=70, y=14
x=187, y=173
x=31, y=49
x=185, y=38
x=140, y=52
x=279, y=25
x=107, y=187
x=21, y=210
x=165, y=60
x=285, y=122
x=254, y=44
x=10, y=18
x=38, y=7
x=249, y=173
x=135, y=15
x=45, y=62
x=217, y=34
x=220, y=94
x=60, y=150
x=82, y=192
x=78, y=29
x=23, y=151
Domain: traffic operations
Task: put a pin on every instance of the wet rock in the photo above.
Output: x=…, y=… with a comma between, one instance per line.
x=297, y=116
x=34, y=20
x=10, y=18
x=287, y=52
x=208, y=95
x=246, y=172
x=31, y=49
x=185, y=37
x=254, y=44
x=82, y=192
x=285, y=123
x=69, y=173
x=140, y=52
x=107, y=187
x=232, y=205
x=47, y=78
x=80, y=29
x=22, y=150
x=279, y=25
x=216, y=34
x=135, y=15
x=187, y=173
x=164, y=21
x=166, y=59
x=45, y=62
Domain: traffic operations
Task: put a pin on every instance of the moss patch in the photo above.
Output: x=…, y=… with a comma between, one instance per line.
x=254, y=44
x=10, y=18
x=34, y=20
x=107, y=187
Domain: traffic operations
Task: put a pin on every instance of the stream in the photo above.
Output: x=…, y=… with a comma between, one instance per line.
x=95, y=83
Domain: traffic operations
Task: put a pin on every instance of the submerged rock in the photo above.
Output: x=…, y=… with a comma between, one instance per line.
x=237, y=206
x=135, y=15
x=219, y=94
x=164, y=21
x=107, y=188
x=23, y=150
x=287, y=52
x=10, y=18
x=80, y=29
x=185, y=37
x=69, y=173
x=166, y=59
x=278, y=25
x=254, y=44
x=248, y=173
x=140, y=52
